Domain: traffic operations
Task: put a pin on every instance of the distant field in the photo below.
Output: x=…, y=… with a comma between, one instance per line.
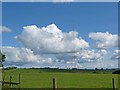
x=42, y=78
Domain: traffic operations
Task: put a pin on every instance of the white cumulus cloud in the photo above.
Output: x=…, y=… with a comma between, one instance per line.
x=4, y=29
x=105, y=40
x=92, y=55
x=116, y=55
x=50, y=39
x=23, y=56
x=82, y=56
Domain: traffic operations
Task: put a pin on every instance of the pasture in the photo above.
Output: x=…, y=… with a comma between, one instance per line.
x=42, y=78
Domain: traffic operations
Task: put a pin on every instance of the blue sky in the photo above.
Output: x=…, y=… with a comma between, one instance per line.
x=83, y=17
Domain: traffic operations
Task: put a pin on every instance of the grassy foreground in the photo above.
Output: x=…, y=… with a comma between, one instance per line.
x=37, y=78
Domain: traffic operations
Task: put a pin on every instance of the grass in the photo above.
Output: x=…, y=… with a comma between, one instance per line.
x=42, y=78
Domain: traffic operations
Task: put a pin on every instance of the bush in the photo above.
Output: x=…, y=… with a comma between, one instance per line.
x=94, y=72
x=116, y=72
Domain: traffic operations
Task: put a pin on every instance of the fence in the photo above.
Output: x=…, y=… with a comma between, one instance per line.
x=55, y=84
x=10, y=82
x=54, y=81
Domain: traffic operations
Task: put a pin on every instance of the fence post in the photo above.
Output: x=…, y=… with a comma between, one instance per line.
x=3, y=81
x=19, y=81
x=113, y=84
x=10, y=81
x=54, y=84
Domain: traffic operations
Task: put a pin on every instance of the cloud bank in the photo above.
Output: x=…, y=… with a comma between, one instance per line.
x=23, y=56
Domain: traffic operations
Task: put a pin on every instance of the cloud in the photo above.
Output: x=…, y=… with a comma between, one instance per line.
x=50, y=46
x=64, y=48
x=116, y=55
x=92, y=55
x=25, y=57
x=84, y=56
x=51, y=39
x=63, y=0
x=4, y=29
x=105, y=40
x=21, y=56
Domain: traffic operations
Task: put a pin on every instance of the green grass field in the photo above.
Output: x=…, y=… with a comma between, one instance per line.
x=37, y=78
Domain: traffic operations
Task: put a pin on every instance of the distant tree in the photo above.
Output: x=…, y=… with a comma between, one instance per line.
x=2, y=59
x=101, y=69
x=74, y=68
x=96, y=68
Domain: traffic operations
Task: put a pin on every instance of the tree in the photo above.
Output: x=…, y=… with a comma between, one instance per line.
x=101, y=69
x=96, y=68
x=2, y=59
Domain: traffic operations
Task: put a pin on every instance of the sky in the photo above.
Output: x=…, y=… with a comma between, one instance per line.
x=60, y=1
x=64, y=35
